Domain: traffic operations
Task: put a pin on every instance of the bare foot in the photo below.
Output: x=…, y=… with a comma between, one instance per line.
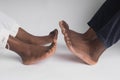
x=37, y=40
x=87, y=50
x=29, y=53
x=88, y=35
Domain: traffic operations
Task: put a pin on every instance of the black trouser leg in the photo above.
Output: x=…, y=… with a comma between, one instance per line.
x=110, y=33
x=104, y=14
x=106, y=22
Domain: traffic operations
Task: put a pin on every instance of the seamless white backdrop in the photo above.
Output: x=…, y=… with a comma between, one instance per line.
x=39, y=17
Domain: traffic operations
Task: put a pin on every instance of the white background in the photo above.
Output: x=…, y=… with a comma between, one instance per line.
x=39, y=17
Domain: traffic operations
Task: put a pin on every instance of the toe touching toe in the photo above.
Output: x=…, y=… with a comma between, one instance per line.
x=56, y=34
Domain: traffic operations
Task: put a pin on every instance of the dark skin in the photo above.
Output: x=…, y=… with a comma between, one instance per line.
x=37, y=40
x=85, y=46
x=31, y=48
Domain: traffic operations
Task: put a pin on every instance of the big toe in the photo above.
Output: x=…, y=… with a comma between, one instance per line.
x=54, y=34
x=64, y=26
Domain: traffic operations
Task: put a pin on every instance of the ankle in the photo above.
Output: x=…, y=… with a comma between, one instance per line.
x=90, y=34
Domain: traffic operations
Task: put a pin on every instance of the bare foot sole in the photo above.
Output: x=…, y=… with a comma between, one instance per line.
x=78, y=44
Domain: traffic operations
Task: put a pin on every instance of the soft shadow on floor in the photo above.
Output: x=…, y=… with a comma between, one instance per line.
x=64, y=54
x=9, y=55
x=13, y=57
x=68, y=57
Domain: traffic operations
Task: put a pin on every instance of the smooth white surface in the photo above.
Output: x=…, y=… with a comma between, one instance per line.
x=39, y=17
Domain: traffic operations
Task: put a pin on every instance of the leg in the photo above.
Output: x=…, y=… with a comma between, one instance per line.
x=104, y=14
x=31, y=53
x=110, y=33
x=90, y=50
x=83, y=48
x=38, y=40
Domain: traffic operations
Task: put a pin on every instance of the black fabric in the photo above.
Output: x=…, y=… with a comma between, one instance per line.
x=106, y=22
